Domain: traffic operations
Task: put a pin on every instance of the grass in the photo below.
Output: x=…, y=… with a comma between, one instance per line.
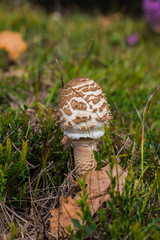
x=32, y=159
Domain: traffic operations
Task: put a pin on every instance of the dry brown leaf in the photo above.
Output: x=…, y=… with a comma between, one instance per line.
x=98, y=183
x=61, y=217
x=13, y=43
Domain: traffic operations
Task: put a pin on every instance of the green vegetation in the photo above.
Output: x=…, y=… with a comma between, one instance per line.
x=82, y=229
x=33, y=160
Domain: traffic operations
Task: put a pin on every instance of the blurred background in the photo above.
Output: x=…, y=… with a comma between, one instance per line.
x=46, y=42
x=128, y=6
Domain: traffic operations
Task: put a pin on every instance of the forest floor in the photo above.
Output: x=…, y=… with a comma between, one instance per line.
x=33, y=161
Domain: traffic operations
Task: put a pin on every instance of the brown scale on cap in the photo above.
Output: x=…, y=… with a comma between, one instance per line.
x=103, y=118
x=78, y=105
x=96, y=100
x=81, y=119
x=69, y=125
x=75, y=82
x=68, y=98
x=85, y=128
x=67, y=111
x=94, y=110
x=103, y=106
x=87, y=98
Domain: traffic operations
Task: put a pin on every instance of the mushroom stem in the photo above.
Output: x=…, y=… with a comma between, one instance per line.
x=83, y=155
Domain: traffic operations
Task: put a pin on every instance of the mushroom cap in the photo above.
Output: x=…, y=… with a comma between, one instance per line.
x=83, y=110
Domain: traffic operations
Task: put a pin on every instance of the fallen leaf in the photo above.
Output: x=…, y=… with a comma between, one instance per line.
x=98, y=183
x=13, y=43
x=62, y=216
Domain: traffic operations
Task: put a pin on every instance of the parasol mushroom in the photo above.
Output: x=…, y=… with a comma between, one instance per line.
x=82, y=114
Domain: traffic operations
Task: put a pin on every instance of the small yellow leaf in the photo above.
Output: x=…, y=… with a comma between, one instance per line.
x=13, y=43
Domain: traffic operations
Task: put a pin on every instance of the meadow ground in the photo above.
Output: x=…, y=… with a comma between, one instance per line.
x=33, y=160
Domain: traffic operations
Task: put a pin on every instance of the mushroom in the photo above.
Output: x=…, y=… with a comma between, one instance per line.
x=82, y=114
